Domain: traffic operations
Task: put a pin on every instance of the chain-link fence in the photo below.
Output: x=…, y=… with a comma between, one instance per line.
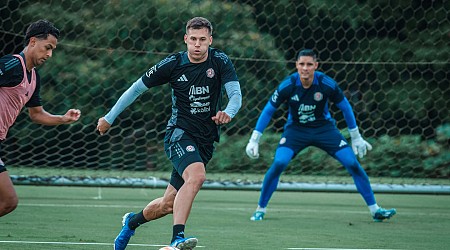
x=391, y=58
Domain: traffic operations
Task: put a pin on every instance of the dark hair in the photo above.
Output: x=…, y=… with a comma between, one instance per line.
x=307, y=52
x=40, y=29
x=199, y=23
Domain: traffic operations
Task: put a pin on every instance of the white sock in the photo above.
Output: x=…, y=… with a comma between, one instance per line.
x=373, y=208
x=261, y=209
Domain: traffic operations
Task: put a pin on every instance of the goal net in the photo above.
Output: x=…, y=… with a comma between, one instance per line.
x=391, y=58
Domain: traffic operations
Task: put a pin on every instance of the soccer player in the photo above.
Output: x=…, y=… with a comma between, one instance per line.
x=19, y=86
x=196, y=77
x=309, y=123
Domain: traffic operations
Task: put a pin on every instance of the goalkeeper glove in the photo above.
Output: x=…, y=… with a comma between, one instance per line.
x=252, y=146
x=359, y=145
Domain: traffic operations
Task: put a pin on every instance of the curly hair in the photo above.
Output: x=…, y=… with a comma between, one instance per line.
x=40, y=29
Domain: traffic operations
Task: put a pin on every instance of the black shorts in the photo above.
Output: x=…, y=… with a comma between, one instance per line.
x=2, y=165
x=182, y=150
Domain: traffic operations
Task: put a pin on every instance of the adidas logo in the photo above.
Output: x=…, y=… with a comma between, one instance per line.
x=295, y=98
x=343, y=143
x=182, y=79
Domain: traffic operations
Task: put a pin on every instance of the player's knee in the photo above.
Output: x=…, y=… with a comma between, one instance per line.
x=278, y=166
x=196, y=180
x=8, y=205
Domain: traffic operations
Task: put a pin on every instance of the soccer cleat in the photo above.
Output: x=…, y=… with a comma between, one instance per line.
x=383, y=214
x=125, y=234
x=257, y=215
x=184, y=243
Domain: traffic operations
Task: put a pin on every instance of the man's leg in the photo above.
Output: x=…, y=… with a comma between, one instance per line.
x=8, y=196
x=348, y=159
x=162, y=206
x=156, y=209
x=283, y=156
x=194, y=176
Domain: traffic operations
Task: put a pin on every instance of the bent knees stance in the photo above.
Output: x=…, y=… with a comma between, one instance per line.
x=8, y=196
x=196, y=181
x=166, y=207
x=348, y=159
x=8, y=205
x=283, y=156
x=194, y=176
x=277, y=167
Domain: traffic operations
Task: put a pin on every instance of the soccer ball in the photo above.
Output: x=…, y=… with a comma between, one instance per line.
x=169, y=248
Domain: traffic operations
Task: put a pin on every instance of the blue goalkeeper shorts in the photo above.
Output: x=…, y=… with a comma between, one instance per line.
x=182, y=151
x=327, y=138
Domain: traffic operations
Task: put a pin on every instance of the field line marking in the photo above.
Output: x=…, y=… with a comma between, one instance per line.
x=339, y=249
x=76, y=243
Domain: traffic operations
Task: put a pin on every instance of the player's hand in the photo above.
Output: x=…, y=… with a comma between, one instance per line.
x=72, y=115
x=102, y=126
x=359, y=145
x=252, y=148
x=221, y=118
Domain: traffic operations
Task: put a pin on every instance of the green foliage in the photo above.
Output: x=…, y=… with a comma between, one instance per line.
x=116, y=51
x=405, y=156
x=389, y=57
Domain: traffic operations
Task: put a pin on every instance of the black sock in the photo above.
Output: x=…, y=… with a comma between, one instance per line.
x=178, y=231
x=137, y=220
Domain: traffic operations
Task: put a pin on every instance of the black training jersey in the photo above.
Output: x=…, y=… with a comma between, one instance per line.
x=11, y=75
x=308, y=107
x=196, y=90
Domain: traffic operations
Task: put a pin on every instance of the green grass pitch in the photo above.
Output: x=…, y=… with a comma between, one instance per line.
x=90, y=218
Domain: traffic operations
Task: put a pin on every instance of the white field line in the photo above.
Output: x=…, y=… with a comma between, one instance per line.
x=331, y=211
x=150, y=245
x=76, y=243
x=338, y=249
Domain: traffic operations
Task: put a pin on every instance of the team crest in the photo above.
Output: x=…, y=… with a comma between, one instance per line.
x=210, y=73
x=318, y=96
x=190, y=148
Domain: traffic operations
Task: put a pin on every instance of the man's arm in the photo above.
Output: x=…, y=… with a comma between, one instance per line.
x=234, y=103
x=346, y=109
x=234, y=98
x=127, y=98
x=12, y=74
x=252, y=148
x=39, y=115
x=359, y=145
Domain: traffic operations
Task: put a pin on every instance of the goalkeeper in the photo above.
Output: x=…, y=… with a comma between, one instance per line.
x=310, y=124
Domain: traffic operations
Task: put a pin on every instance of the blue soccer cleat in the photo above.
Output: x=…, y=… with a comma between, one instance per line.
x=383, y=214
x=257, y=215
x=184, y=243
x=125, y=234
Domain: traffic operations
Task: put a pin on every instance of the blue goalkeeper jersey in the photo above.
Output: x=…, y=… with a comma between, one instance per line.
x=308, y=107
